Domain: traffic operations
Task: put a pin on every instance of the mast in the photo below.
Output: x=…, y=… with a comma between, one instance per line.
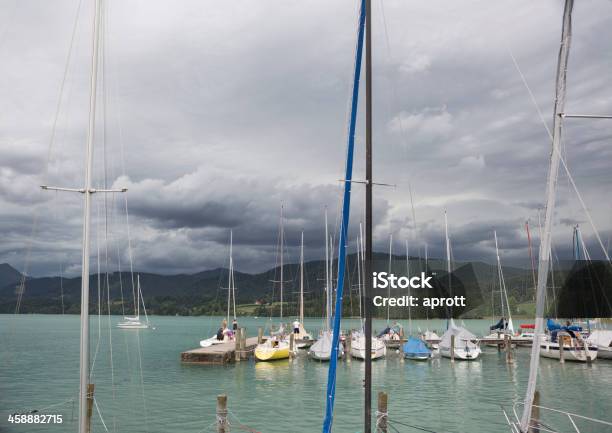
x=359, y=274
x=282, y=235
x=367, y=290
x=448, y=265
x=229, y=279
x=545, y=244
x=302, y=280
x=84, y=348
x=499, y=275
x=389, y=285
x=502, y=287
x=531, y=258
x=408, y=275
x=346, y=207
x=138, y=296
x=327, y=278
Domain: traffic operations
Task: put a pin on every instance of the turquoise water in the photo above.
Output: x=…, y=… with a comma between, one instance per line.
x=153, y=392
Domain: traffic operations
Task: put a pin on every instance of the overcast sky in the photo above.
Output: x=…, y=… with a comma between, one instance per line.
x=216, y=112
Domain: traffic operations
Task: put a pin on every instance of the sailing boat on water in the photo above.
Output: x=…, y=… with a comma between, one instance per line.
x=504, y=326
x=224, y=334
x=134, y=322
x=321, y=350
x=302, y=338
x=415, y=348
x=465, y=347
x=277, y=346
x=358, y=339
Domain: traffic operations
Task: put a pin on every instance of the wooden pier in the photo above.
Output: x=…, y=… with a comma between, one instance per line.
x=219, y=354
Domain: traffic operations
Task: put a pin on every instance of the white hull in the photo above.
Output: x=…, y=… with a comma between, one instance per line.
x=461, y=353
x=379, y=349
x=133, y=323
x=604, y=352
x=576, y=354
x=321, y=350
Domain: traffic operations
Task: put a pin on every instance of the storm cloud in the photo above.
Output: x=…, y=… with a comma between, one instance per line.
x=214, y=114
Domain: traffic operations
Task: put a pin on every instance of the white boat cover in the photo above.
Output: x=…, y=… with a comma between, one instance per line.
x=601, y=337
x=463, y=337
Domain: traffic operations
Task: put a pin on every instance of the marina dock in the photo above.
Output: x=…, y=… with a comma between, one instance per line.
x=218, y=354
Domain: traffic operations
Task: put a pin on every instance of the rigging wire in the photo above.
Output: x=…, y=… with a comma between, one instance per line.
x=562, y=158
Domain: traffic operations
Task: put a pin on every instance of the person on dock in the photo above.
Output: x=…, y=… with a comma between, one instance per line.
x=296, y=327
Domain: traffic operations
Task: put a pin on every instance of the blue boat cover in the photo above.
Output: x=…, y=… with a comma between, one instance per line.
x=556, y=326
x=415, y=346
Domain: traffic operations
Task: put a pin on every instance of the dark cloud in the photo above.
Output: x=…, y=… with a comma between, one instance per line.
x=216, y=113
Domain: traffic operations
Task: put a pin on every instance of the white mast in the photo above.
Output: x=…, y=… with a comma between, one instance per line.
x=408, y=276
x=545, y=244
x=389, y=286
x=448, y=262
x=138, y=296
x=230, y=279
x=281, y=262
x=502, y=286
x=302, y=280
x=84, y=349
x=327, y=278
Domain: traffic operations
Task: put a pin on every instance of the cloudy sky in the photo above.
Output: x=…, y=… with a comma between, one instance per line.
x=214, y=113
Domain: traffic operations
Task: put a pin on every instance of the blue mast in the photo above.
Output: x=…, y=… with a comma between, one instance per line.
x=346, y=206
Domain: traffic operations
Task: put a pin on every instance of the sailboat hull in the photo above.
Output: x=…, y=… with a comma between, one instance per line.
x=379, y=350
x=575, y=353
x=264, y=352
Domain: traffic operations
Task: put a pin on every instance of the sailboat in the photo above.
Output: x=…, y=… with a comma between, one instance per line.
x=528, y=420
x=465, y=347
x=302, y=338
x=391, y=334
x=321, y=350
x=277, y=346
x=134, y=322
x=358, y=339
x=224, y=334
x=504, y=326
x=415, y=348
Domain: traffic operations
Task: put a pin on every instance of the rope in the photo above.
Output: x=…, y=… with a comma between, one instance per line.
x=416, y=427
x=100, y=414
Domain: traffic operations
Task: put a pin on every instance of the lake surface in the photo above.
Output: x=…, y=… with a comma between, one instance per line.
x=153, y=392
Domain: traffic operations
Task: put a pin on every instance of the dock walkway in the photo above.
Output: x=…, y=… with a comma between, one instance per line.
x=223, y=353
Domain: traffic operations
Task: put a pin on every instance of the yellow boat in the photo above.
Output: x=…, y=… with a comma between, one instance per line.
x=271, y=350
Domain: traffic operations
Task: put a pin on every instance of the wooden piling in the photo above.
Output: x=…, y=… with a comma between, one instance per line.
x=561, y=350
x=222, y=424
x=243, y=344
x=452, y=348
x=291, y=344
x=499, y=344
x=238, y=344
x=347, y=347
x=90, y=401
x=381, y=415
x=508, y=341
x=259, y=335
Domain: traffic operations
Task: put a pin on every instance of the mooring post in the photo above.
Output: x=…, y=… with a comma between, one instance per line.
x=259, y=335
x=499, y=342
x=222, y=425
x=243, y=344
x=237, y=344
x=291, y=344
x=347, y=347
x=535, y=414
x=381, y=415
x=452, y=348
x=508, y=341
x=90, y=401
x=561, y=351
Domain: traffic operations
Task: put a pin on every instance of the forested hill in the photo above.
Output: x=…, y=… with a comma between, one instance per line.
x=204, y=292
